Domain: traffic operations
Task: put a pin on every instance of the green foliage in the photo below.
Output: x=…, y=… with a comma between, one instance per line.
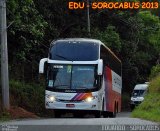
x=27, y=30
x=25, y=39
x=155, y=71
x=4, y=116
x=154, y=86
x=151, y=29
x=149, y=109
x=125, y=101
x=28, y=96
x=110, y=37
x=147, y=49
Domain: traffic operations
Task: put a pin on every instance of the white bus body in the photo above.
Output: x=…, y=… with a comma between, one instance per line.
x=78, y=83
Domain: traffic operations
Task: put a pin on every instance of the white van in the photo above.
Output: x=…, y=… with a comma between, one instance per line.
x=138, y=94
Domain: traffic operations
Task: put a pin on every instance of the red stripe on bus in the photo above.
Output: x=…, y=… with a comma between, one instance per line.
x=109, y=86
x=81, y=96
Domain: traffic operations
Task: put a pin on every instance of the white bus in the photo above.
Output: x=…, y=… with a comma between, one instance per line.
x=82, y=76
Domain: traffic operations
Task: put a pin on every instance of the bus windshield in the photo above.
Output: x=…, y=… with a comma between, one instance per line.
x=72, y=77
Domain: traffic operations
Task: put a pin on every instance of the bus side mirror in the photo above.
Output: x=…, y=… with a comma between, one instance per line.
x=41, y=65
x=100, y=67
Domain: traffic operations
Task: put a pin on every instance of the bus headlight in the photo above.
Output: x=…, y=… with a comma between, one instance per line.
x=89, y=99
x=51, y=98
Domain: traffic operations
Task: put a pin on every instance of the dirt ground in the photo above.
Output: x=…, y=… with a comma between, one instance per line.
x=18, y=112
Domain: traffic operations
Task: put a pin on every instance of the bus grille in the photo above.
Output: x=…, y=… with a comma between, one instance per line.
x=70, y=101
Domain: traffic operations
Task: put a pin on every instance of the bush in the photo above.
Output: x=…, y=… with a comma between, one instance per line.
x=4, y=116
x=27, y=96
x=125, y=101
x=31, y=97
x=0, y=103
x=155, y=71
x=149, y=109
x=154, y=86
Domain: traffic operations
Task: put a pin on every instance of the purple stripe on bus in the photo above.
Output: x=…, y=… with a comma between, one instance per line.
x=75, y=96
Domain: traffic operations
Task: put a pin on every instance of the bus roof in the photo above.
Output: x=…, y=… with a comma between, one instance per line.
x=85, y=40
x=76, y=39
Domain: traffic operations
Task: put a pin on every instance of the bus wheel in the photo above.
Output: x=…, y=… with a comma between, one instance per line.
x=105, y=114
x=78, y=114
x=97, y=114
x=57, y=114
x=113, y=114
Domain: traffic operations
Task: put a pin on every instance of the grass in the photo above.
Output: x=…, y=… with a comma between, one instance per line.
x=28, y=96
x=4, y=116
x=150, y=107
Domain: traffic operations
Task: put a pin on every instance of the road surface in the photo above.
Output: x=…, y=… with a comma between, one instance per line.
x=121, y=122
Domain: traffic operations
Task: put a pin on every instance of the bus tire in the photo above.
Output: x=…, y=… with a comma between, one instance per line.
x=117, y=108
x=113, y=114
x=57, y=114
x=97, y=114
x=105, y=114
x=78, y=114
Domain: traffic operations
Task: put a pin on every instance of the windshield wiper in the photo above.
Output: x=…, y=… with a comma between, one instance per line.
x=63, y=57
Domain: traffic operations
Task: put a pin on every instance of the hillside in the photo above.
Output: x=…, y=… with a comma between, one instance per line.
x=150, y=108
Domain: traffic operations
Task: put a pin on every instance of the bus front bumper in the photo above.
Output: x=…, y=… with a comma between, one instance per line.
x=73, y=106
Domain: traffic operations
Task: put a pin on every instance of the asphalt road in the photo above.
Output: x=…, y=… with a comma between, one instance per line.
x=121, y=122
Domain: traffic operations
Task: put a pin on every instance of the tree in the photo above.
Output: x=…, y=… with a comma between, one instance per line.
x=25, y=36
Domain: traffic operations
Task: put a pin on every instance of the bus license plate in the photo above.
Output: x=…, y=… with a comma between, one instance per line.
x=70, y=105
